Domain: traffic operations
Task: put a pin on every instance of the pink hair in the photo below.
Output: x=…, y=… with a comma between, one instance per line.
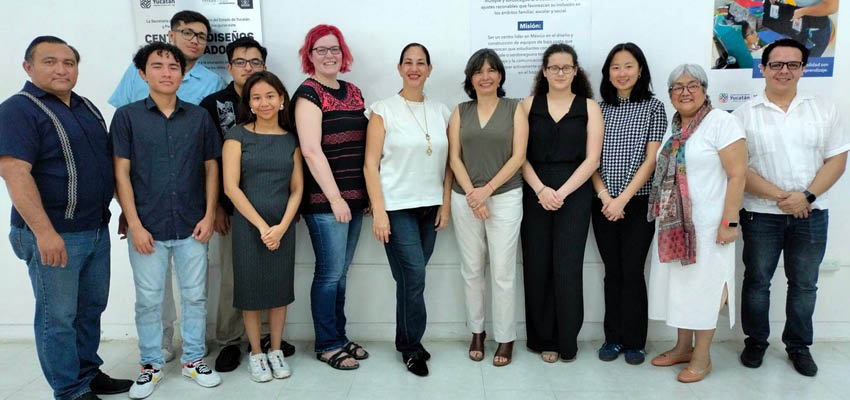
x=318, y=32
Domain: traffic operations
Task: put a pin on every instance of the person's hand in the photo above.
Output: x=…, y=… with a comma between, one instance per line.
x=222, y=221
x=726, y=235
x=381, y=226
x=204, y=229
x=795, y=204
x=476, y=197
x=341, y=211
x=271, y=237
x=443, y=214
x=122, y=226
x=549, y=199
x=799, y=13
x=51, y=249
x=481, y=212
x=142, y=239
x=614, y=209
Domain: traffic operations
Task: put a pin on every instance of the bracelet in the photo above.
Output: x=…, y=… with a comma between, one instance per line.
x=541, y=189
x=599, y=195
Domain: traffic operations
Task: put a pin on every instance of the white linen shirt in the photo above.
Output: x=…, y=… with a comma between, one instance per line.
x=788, y=148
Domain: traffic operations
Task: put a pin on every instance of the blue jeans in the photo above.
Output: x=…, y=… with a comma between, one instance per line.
x=333, y=244
x=408, y=251
x=190, y=264
x=804, y=243
x=68, y=304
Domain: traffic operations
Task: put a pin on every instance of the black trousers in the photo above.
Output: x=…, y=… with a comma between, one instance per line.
x=553, y=256
x=623, y=246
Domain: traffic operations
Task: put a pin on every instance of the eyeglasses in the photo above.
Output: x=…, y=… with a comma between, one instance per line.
x=679, y=89
x=324, y=50
x=777, y=65
x=189, y=34
x=241, y=62
x=567, y=69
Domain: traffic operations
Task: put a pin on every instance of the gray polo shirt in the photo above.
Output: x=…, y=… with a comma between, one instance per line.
x=166, y=163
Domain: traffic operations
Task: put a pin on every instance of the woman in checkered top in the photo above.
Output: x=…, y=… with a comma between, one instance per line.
x=635, y=123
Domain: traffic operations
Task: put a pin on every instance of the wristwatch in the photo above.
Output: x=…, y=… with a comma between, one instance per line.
x=728, y=223
x=810, y=197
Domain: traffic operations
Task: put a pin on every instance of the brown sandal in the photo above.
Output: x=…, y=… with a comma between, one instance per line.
x=477, y=344
x=505, y=350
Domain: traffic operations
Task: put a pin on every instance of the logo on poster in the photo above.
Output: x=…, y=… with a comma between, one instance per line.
x=145, y=3
x=246, y=4
x=148, y=3
x=734, y=97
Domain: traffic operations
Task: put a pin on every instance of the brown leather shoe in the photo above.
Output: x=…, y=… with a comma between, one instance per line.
x=666, y=360
x=477, y=344
x=505, y=350
x=690, y=376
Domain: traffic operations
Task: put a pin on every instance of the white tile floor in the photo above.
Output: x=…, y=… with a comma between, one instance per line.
x=454, y=376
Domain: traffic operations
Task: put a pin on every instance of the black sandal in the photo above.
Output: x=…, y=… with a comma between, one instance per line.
x=335, y=361
x=351, y=348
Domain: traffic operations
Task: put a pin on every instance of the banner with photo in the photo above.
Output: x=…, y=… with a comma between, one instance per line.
x=229, y=20
x=521, y=30
x=743, y=28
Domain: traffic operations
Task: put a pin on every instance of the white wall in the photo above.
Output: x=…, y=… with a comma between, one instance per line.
x=670, y=32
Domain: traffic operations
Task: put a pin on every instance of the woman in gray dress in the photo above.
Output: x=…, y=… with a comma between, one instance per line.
x=262, y=176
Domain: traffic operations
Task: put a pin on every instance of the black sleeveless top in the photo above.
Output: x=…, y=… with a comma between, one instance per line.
x=557, y=142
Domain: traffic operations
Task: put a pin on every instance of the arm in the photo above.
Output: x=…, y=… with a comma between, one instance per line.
x=734, y=160
x=457, y=166
x=593, y=152
x=375, y=134
x=296, y=188
x=141, y=238
x=827, y=175
x=204, y=229
x=444, y=212
x=822, y=9
x=231, y=159
x=615, y=208
x=27, y=200
x=758, y=186
x=308, y=119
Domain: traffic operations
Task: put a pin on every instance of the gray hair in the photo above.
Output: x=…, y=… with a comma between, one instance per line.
x=692, y=70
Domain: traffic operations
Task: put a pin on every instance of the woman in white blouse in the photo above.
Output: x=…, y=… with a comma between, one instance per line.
x=695, y=197
x=409, y=188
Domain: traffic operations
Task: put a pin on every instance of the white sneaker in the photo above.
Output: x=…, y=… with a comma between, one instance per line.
x=280, y=369
x=167, y=354
x=259, y=365
x=202, y=374
x=146, y=382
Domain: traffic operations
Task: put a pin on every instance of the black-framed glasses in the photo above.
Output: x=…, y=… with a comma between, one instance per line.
x=189, y=34
x=335, y=50
x=241, y=62
x=567, y=69
x=679, y=89
x=792, y=65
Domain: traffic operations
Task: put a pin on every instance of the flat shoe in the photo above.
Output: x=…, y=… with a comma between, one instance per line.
x=549, y=356
x=506, y=351
x=689, y=376
x=666, y=360
x=477, y=344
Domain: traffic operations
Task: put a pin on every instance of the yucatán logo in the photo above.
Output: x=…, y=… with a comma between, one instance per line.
x=246, y=4
x=145, y=3
x=150, y=3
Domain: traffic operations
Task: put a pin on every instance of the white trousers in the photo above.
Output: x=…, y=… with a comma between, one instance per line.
x=498, y=236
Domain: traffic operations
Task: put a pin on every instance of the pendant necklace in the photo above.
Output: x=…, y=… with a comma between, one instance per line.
x=424, y=130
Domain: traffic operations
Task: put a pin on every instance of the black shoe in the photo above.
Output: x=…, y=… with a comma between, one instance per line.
x=89, y=396
x=425, y=355
x=752, y=356
x=228, y=358
x=287, y=349
x=103, y=384
x=416, y=365
x=804, y=363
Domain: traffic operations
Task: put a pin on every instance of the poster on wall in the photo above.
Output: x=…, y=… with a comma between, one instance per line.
x=521, y=30
x=743, y=28
x=229, y=20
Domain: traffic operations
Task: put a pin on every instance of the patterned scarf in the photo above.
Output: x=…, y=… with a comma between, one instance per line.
x=669, y=199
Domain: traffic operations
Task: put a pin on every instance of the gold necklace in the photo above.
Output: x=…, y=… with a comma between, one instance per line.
x=424, y=130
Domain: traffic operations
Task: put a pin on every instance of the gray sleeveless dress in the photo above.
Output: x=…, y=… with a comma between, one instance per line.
x=262, y=278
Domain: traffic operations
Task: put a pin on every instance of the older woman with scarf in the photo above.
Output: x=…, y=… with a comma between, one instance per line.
x=695, y=198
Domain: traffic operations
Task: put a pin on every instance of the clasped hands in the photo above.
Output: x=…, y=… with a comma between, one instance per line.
x=613, y=208
x=271, y=236
x=794, y=203
x=477, y=199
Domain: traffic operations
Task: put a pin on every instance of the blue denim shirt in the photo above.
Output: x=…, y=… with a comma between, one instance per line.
x=75, y=186
x=198, y=82
x=167, y=158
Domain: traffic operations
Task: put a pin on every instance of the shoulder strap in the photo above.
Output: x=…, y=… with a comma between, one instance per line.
x=65, y=143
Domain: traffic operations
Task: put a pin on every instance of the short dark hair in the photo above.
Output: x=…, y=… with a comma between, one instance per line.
x=247, y=42
x=141, y=57
x=189, y=16
x=643, y=87
x=30, y=51
x=409, y=45
x=245, y=114
x=476, y=61
x=765, y=57
x=580, y=85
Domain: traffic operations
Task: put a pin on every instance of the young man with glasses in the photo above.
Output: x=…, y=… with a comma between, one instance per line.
x=797, y=150
x=244, y=57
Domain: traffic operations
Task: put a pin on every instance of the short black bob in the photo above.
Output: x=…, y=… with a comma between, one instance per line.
x=476, y=61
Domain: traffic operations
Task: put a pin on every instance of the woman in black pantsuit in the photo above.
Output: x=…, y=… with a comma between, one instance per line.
x=564, y=147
